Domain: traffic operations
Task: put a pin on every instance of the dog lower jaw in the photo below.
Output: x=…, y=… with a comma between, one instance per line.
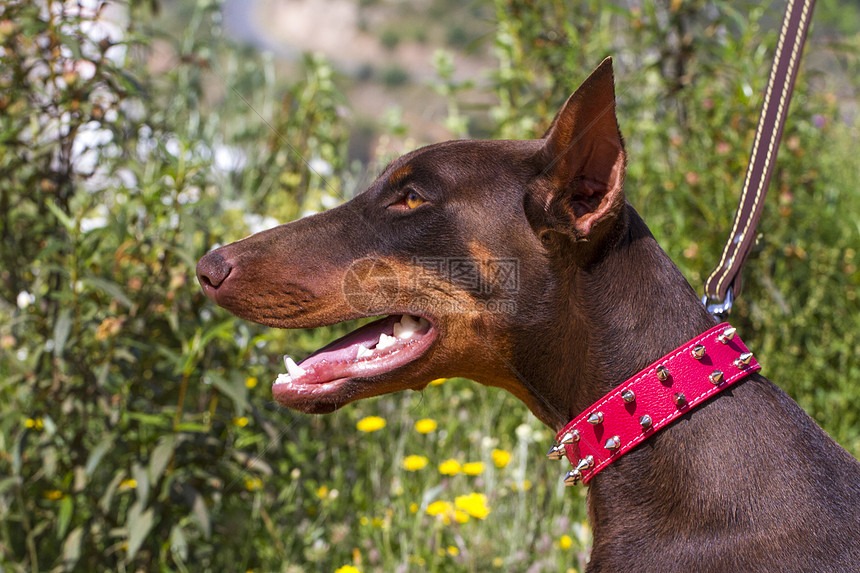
x=352, y=368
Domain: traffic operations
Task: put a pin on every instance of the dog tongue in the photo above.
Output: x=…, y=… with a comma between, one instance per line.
x=347, y=348
x=371, y=343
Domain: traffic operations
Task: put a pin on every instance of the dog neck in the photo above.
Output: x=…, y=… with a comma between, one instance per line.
x=628, y=309
x=616, y=315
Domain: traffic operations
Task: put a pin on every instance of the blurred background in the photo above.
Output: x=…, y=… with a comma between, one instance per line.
x=137, y=429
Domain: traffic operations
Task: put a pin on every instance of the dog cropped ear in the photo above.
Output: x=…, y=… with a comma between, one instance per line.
x=583, y=158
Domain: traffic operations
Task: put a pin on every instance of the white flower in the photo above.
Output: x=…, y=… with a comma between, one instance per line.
x=320, y=166
x=229, y=159
x=25, y=299
x=97, y=221
x=524, y=432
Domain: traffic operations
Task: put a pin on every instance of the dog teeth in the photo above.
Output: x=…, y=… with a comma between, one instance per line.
x=409, y=322
x=363, y=351
x=283, y=379
x=404, y=331
x=293, y=369
x=385, y=341
x=423, y=324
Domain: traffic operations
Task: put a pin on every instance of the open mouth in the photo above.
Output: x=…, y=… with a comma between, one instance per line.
x=373, y=349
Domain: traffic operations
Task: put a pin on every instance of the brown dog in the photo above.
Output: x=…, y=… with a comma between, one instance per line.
x=519, y=264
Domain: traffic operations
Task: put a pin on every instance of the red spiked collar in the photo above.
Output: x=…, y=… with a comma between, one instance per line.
x=651, y=399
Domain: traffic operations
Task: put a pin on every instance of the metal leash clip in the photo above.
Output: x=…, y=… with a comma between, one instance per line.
x=720, y=309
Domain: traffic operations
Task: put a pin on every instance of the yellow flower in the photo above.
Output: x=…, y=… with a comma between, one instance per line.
x=128, y=484
x=425, y=426
x=36, y=423
x=565, y=542
x=251, y=382
x=347, y=569
x=414, y=463
x=473, y=468
x=475, y=504
x=370, y=424
x=453, y=550
x=241, y=422
x=449, y=468
x=53, y=494
x=498, y=562
x=439, y=507
x=364, y=520
x=445, y=511
x=253, y=484
x=438, y=381
x=322, y=492
x=501, y=458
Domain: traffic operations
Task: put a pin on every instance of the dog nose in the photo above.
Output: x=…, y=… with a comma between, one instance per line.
x=212, y=269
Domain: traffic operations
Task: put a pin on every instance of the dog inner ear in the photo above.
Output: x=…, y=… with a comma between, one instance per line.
x=583, y=158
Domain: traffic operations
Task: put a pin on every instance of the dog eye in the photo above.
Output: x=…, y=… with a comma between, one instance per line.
x=412, y=199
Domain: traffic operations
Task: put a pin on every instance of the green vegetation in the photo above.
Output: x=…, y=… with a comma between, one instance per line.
x=137, y=430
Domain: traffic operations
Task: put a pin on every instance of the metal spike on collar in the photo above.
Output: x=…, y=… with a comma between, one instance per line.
x=698, y=351
x=727, y=334
x=716, y=377
x=628, y=396
x=613, y=443
x=662, y=373
x=572, y=477
x=744, y=360
x=645, y=421
x=596, y=418
x=556, y=452
x=679, y=399
x=585, y=463
x=570, y=437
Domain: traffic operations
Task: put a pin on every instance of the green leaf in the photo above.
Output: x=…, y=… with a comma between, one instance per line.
x=61, y=331
x=193, y=427
x=59, y=214
x=138, y=473
x=178, y=543
x=97, y=454
x=67, y=508
x=110, y=288
x=236, y=392
x=72, y=548
x=160, y=457
x=150, y=419
x=201, y=514
x=16, y=453
x=139, y=526
x=107, y=498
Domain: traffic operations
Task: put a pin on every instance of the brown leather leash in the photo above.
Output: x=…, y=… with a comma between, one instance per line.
x=724, y=283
